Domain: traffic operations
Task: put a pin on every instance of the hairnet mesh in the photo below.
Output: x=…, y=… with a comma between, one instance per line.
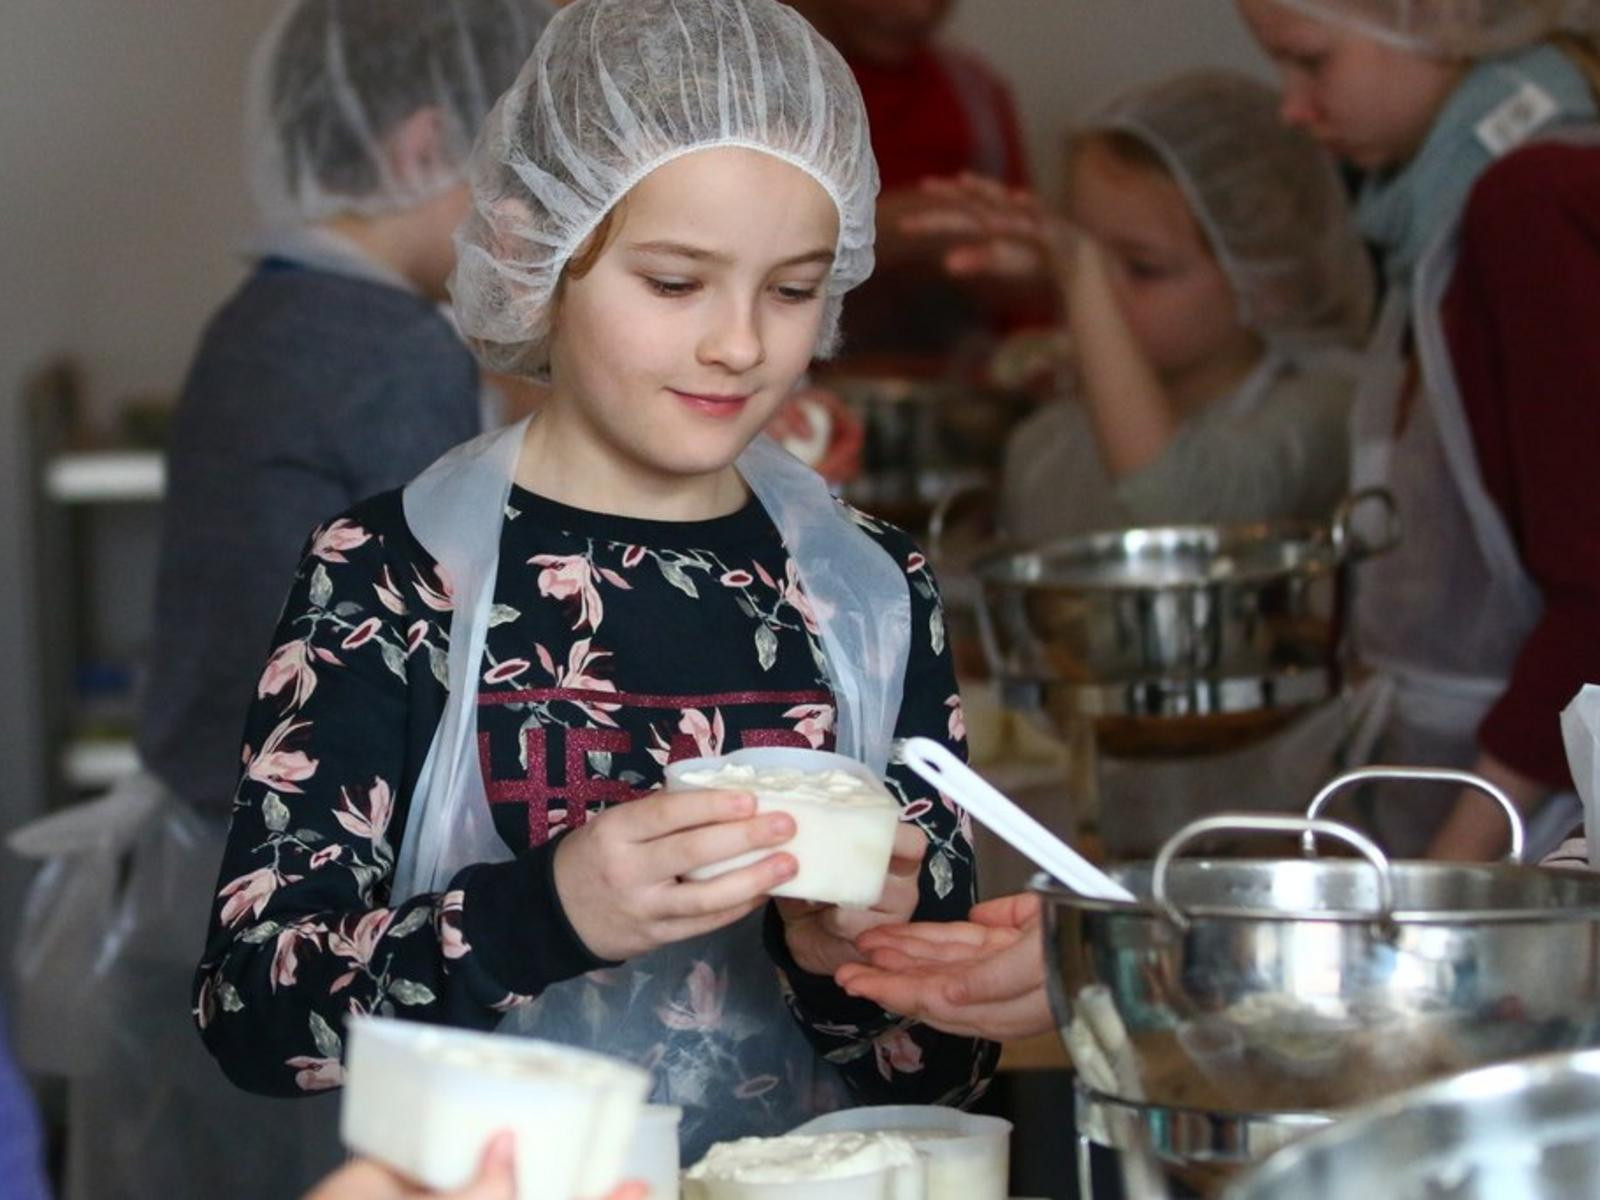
x=333, y=80
x=1468, y=28
x=1269, y=200
x=617, y=88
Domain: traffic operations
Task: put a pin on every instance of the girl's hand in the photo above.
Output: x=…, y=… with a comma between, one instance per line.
x=822, y=936
x=620, y=875
x=364, y=1180
x=978, y=978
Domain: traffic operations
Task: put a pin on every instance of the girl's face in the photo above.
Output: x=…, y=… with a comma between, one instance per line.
x=1174, y=295
x=1370, y=103
x=699, y=315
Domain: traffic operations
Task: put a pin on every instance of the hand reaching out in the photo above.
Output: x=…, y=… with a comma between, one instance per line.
x=496, y=1180
x=822, y=937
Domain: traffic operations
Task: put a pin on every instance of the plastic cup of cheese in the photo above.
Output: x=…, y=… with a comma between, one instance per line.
x=825, y=1166
x=426, y=1100
x=968, y=1155
x=844, y=818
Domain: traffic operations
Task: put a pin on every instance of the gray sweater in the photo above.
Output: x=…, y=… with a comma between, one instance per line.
x=310, y=391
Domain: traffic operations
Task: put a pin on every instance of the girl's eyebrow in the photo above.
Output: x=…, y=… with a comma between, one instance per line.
x=701, y=254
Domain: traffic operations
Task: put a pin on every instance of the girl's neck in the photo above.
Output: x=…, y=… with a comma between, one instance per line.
x=1203, y=384
x=565, y=460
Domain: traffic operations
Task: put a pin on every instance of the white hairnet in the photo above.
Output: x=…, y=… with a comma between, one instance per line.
x=1465, y=28
x=617, y=88
x=1269, y=199
x=332, y=80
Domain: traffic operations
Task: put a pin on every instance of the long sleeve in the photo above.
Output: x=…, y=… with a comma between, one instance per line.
x=1522, y=317
x=302, y=930
x=1288, y=458
x=884, y=1058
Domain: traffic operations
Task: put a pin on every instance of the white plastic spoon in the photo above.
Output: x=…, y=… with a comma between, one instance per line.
x=1002, y=815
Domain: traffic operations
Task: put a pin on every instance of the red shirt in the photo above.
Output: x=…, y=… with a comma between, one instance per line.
x=1522, y=316
x=941, y=112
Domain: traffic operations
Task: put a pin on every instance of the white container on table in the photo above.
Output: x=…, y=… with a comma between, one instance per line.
x=426, y=1100
x=968, y=1155
x=829, y=1166
x=843, y=840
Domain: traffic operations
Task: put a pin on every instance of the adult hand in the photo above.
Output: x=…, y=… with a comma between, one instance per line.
x=983, y=977
x=620, y=876
x=984, y=228
x=496, y=1180
x=822, y=937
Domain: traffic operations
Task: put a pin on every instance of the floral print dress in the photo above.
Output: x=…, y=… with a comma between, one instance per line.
x=616, y=645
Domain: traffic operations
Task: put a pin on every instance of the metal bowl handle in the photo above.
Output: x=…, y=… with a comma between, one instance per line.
x=1251, y=823
x=944, y=510
x=1347, y=543
x=1426, y=775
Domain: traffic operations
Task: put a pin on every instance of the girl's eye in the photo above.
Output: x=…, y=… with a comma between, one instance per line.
x=1148, y=271
x=671, y=287
x=798, y=293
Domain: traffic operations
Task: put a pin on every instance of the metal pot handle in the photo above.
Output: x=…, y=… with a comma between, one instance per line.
x=1426, y=775
x=1347, y=543
x=1252, y=823
x=939, y=519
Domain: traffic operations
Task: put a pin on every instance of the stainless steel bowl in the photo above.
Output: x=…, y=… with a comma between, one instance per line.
x=1179, y=639
x=1306, y=985
x=1518, y=1131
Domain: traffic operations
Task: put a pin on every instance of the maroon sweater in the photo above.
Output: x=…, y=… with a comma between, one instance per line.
x=1522, y=317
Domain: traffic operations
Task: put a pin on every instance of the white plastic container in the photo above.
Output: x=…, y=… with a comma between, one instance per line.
x=653, y=1157
x=968, y=1156
x=828, y=1166
x=426, y=1100
x=844, y=818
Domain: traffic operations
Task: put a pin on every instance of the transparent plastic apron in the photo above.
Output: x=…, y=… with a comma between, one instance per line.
x=1443, y=616
x=707, y=1016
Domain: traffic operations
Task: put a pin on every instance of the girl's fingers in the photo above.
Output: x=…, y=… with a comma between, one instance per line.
x=661, y=814
x=1012, y=911
x=910, y=845
x=681, y=929
x=743, y=888
x=1012, y=972
x=679, y=853
x=496, y=1171
x=928, y=933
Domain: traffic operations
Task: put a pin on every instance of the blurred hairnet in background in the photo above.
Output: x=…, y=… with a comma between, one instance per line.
x=1457, y=28
x=1269, y=199
x=616, y=89
x=334, y=85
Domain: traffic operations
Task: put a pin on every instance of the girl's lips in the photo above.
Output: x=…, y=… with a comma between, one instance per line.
x=712, y=404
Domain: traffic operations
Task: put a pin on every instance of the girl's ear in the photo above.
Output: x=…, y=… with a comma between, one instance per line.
x=415, y=148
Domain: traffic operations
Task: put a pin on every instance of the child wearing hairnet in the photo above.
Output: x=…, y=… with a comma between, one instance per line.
x=1206, y=265
x=449, y=805
x=1478, y=128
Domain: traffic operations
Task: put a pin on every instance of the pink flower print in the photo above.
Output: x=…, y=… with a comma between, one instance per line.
x=569, y=576
x=737, y=579
x=897, y=1050
x=205, y=1008
x=362, y=633
x=813, y=722
x=330, y=543
x=356, y=938
x=796, y=598
x=765, y=577
x=659, y=748
x=581, y=661
x=415, y=635
x=632, y=557
x=958, y=718
x=368, y=819
x=916, y=809
x=247, y=895
x=506, y=671
x=510, y=1001
x=325, y=856
x=915, y=563
x=280, y=769
x=285, y=962
x=439, y=598
x=759, y=1086
x=707, y=734
x=452, y=941
x=389, y=595
x=316, y=1074
x=290, y=669
x=701, y=1008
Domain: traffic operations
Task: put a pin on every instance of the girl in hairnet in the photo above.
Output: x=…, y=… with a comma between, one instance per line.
x=1207, y=266
x=447, y=809
x=1476, y=126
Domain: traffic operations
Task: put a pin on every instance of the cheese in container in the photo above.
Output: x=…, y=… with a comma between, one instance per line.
x=968, y=1155
x=828, y=1166
x=844, y=818
x=425, y=1100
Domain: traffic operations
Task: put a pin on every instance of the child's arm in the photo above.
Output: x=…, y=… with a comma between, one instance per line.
x=885, y=1058
x=302, y=931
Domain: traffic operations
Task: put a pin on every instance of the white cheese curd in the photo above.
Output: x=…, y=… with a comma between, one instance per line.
x=844, y=819
x=828, y=1166
x=426, y=1100
x=967, y=1156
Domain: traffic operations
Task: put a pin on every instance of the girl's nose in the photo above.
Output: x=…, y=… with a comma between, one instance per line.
x=734, y=340
x=1297, y=109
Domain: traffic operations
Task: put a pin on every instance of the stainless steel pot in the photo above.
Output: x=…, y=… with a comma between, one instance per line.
x=1302, y=985
x=1518, y=1131
x=1180, y=639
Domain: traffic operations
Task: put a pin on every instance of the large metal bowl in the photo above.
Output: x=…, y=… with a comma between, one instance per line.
x=1519, y=1131
x=1304, y=985
x=1179, y=639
